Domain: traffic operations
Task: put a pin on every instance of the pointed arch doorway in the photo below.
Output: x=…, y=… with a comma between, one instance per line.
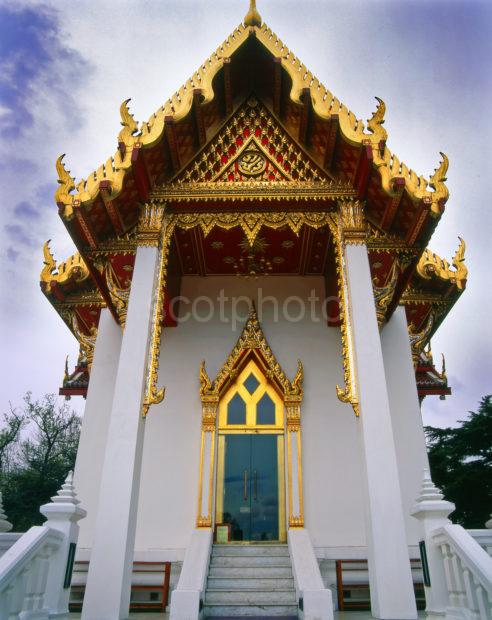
x=250, y=487
x=254, y=410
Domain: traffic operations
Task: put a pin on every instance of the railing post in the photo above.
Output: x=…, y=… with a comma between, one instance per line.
x=62, y=514
x=432, y=511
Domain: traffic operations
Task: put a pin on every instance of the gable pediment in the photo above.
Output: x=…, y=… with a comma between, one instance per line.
x=252, y=148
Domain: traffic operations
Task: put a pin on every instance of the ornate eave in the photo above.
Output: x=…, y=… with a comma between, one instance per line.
x=430, y=382
x=75, y=383
x=433, y=290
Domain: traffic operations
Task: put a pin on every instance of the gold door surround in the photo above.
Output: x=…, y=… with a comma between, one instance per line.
x=252, y=426
x=252, y=354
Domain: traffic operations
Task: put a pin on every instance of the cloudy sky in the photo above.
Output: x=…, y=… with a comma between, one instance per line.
x=65, y=67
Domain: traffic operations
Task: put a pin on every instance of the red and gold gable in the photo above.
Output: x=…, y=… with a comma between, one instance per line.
x=254, y=147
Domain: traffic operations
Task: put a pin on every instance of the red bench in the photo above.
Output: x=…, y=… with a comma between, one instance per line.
x=150, y=585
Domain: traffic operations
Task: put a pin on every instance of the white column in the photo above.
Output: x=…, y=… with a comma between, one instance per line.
x=107, y=595
x=95, y=423
x=406, y=418
x=390, y=578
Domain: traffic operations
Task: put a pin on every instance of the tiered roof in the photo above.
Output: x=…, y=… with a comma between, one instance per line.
x=187, y=150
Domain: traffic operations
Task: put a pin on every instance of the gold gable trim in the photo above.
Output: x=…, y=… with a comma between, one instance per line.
x=251, y=339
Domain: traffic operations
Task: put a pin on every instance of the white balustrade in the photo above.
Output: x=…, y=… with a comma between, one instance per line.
x=468, y=571
x=459, y=566
x=32, y=570
x=24, y=571
x=483, y=538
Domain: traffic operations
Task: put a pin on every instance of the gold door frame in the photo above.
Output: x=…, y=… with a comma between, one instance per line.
x=251, y=427
x=252, y=345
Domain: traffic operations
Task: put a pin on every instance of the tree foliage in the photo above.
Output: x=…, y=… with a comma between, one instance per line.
x=38, y=446
x=461, y=465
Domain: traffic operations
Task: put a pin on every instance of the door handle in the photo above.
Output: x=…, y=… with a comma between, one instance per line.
x=245, y=485
x=255, y=478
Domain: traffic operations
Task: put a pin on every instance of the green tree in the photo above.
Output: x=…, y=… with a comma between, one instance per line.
x=461, y=464
x=40, y=460
x=13, y=421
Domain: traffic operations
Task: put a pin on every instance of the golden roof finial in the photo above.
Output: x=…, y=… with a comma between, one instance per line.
x=253, y=18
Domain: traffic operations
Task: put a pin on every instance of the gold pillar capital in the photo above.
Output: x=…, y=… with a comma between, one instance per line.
x=150, y=224
x=352, y=222
x=209, y=414
x=293, y=411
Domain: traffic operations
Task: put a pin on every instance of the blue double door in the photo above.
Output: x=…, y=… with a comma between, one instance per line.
x=251, y=486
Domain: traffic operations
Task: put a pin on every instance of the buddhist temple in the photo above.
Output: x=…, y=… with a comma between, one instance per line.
x=254, y=298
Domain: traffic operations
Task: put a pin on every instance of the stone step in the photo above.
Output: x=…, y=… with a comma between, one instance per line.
x=287, y=612
x=249, y=561
x=250, y=597
x=250, y=550
x=250, y=571
x=269, y=583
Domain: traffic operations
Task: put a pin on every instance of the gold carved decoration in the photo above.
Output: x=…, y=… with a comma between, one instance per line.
x=439, y=177
x=130, y=125
x=252, y=18
x=375, y=123
x=83, y=299
x=149, y=225
x=87, y=342
x=66, y=184
x=119, y=294
x=351, y=222
x=252, y=163
x=251, y=338
x=419, y=339
x=383, y=295
x=124, y=244
x=431, y=264
x=348, y=393
x=73, y=269
x=241, y=191
x=154, y=395
x=251, y=223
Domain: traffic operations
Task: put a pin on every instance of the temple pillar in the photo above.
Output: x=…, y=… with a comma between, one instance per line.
x=406, y=417
x=94, y=432
x=107, y=595
x=392, y=594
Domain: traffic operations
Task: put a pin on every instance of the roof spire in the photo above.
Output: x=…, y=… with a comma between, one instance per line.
x=253, y=18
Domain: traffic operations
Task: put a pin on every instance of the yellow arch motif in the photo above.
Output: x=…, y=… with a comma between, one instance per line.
x=251, y=401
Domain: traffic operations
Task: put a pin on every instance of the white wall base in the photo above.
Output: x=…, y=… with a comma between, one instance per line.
x=185, y=600
x=317, y=603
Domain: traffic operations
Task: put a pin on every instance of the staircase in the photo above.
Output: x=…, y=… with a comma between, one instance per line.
x=250, y=580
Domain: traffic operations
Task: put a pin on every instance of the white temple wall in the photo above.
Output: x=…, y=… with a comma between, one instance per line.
x=333, y=487
x=406, y=418
x=331, y=464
